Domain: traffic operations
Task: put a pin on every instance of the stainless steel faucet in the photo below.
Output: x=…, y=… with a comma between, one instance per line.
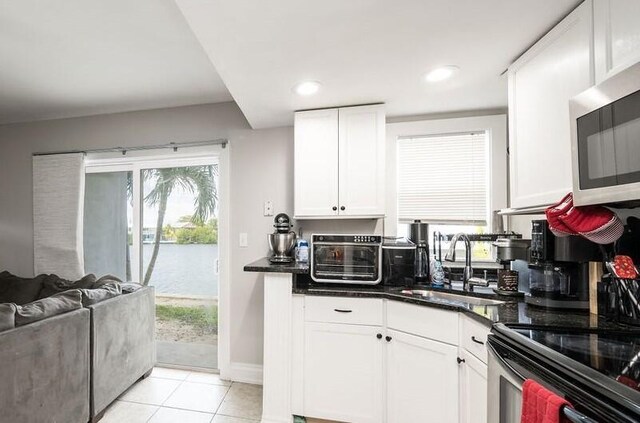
x=468, y=281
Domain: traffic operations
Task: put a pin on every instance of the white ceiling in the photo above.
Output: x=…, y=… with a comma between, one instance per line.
x=83, y=57
x=365, y=51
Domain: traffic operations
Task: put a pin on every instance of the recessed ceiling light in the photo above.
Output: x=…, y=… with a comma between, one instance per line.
x=441, y=73
x=307, y=88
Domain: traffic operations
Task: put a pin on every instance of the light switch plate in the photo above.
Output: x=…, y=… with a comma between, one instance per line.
x=268, y=208
x=244, y=240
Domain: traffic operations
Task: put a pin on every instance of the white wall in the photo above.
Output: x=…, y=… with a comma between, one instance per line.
x=261, y=164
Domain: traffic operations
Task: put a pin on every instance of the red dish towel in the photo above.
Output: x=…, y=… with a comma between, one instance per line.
x=539, y=405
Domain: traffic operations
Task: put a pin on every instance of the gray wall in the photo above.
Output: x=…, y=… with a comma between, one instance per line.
x=261, y=169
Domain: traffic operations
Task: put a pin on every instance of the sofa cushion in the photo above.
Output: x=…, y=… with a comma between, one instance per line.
x=7, y=316
x=14, y=289
x=54, y=284
x=106, y=291
x=47, y=307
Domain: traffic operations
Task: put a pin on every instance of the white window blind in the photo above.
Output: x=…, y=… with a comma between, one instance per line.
x=443, y=178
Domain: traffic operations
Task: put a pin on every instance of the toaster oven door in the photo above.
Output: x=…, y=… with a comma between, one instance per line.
x=355, y=263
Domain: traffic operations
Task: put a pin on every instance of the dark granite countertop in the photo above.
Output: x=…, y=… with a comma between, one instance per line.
x=263, y=265
x=512, y=311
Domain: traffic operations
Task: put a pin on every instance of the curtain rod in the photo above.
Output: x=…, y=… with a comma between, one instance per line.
x=172, y=145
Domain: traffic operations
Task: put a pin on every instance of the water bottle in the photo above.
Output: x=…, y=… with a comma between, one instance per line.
x=302, y=251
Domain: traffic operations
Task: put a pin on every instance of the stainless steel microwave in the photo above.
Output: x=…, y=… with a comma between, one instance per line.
x=605, y=141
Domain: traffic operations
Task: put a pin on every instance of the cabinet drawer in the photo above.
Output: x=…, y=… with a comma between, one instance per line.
x=429, y=322
x=473, y=337
x=355, y=311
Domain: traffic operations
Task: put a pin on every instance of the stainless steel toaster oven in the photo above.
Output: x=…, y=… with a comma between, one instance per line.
x=346, y=259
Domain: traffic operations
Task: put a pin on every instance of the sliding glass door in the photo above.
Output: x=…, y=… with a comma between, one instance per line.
x=156, y=223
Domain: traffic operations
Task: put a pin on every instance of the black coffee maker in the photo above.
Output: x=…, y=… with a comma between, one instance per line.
x=559, y=269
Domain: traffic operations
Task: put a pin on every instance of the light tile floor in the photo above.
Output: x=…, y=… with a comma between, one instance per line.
x=171, y=395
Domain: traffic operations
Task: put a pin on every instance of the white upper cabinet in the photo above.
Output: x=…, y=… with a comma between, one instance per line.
x=422, y=379
x=541, y=82
x=362, y=149
x=316, y=163
x=340, y=163
x=617, y=36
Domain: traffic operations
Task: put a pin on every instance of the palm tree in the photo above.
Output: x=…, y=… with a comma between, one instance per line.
x=198, y=180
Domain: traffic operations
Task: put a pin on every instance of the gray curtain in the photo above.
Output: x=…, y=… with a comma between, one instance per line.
x=58, y=201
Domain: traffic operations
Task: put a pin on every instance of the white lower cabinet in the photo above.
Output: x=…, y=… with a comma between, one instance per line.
x=369, y=361
x=343, y=372
x=473, y=389
x=422, y=379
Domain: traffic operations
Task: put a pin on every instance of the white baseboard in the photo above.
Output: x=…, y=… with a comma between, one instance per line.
x=243, y=372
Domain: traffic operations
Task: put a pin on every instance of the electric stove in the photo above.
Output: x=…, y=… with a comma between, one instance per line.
x=614, y=354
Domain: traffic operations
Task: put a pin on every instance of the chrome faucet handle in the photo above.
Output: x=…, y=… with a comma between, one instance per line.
x=474, y=281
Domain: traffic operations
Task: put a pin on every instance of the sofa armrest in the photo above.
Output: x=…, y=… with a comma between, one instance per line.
x=122, y=344
x=45, y=370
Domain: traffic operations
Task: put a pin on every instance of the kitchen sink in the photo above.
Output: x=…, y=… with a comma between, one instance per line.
x=453, y=297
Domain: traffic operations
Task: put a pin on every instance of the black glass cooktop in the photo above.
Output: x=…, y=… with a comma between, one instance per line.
x=614, y=354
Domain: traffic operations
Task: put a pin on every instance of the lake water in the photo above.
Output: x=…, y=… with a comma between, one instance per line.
x=184, y=269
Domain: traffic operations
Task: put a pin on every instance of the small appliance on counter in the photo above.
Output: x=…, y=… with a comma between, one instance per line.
x=398, y=261
x=559, y=269
x=513, y=255
x=419, y=235
x=346, y=259
x=282, y=240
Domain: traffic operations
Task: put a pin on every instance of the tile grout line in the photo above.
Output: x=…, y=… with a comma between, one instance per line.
x=223, y=398
x=166, y=399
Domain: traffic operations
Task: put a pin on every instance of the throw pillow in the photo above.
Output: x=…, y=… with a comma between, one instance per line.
x=14, y=289
x=47, y=307
x=54, y=284
x=7, y=316
x=106, y=279
x=129, y=287
x=106, y=291
x=5, y=274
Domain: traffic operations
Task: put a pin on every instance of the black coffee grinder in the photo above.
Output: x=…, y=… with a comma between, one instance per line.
x=419, y=235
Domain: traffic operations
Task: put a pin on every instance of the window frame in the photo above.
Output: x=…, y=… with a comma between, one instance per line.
x=495, y=127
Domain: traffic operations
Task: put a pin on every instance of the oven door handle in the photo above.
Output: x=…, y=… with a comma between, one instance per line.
x=575, y=416
x=504, y=363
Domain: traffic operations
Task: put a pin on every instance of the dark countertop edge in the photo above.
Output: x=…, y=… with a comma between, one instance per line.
x=264, y=266
x=553, y=319
x=393, y=297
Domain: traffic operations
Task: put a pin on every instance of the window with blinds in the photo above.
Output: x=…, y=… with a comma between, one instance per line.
x=444, y=178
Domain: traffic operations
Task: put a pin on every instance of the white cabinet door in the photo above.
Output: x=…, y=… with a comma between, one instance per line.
x=473, y=389
x=541, y=83
x=343, y=372
x=362, y=165
x=316, y=163
x=616, y=36
x=422, y=380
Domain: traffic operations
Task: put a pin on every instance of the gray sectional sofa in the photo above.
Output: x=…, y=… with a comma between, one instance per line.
x=122, y=345
x=45, y=370
x=65, y=363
